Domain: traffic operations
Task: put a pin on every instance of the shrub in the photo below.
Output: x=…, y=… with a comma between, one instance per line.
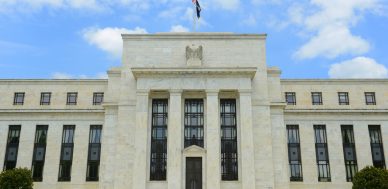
x=371, y=178
x=19, y=178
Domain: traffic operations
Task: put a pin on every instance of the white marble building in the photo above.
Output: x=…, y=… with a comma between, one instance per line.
x=193, y=111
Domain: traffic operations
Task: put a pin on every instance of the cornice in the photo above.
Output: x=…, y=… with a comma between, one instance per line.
x=336, y=110
x=332, y=81
x=151, y=72
x=191, y=35
x=52, y=111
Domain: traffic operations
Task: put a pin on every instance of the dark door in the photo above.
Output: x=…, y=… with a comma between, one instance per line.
x=193, y=173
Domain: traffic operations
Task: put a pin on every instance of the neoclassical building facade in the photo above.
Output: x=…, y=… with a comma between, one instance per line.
x=193, y=111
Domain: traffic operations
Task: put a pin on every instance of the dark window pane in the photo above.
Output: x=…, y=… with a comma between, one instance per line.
x=193, y=122
x=94, y=153
x=12, y=148
x=18, y=98
x=72, y=98
x=322, y=153
x=229, y=160
x=376, y=146
x=98, y=98
x=66, y=158
x=290, y=98
x=294, y=153
x=316, y=98
x=343, y=98
x=45, y=98
x=158, y=162
x=39, y=152
x=370, y=98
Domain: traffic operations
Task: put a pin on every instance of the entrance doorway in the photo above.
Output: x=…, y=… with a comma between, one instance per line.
x=193, y=173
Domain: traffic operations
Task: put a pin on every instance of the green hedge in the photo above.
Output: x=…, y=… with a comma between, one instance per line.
x=19, y=178
x=371, y=178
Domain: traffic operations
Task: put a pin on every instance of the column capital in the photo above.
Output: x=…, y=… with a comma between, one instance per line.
x=142, y=92
x=212, y=92
x=245, y=92
x=175, y=91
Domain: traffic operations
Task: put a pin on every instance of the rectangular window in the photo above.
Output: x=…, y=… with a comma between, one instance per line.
x=158, y=165
x=72, y=98
x=370, y=98
x=349, y=148
x=11, y=153
x=194, y=122
x=316, y=98
x=94, y=153
x=294, y=153
x=229, y=161
x=290, y=98
x=322, y=153
x=18, y=99
x=376, y=144
x=98, y=98
x=39, y=153
x=45, y=98
x=67, y=148
x=343, y=98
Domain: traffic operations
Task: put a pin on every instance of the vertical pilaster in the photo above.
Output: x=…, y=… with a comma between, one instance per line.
x=174, y=150
x=213, y=167
x=140, y=166
x=247, y=148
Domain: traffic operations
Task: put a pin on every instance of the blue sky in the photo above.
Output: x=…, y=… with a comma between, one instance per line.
x=81, y=38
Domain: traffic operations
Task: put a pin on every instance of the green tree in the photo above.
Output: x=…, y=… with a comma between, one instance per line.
x=19, y=178
x=371, y=178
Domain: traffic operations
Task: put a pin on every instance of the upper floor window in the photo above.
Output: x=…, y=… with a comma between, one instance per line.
x=45, y=98
x=18, y=98
x=98, y=98
x=72, y=98
x=316, y=98
x=291, y=98
x=193, y=122
x=370, y=98
x=343, y=98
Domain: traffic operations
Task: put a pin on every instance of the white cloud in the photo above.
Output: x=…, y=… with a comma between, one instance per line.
x=179, y=28
x=359, y=67
x=109, y=39
x=331, y=42
x=329, y=23
x=61, y=75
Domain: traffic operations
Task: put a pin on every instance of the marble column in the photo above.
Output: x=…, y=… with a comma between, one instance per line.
x=174, y=138
x=246, y=141
x=141, y=141
x=213, y=156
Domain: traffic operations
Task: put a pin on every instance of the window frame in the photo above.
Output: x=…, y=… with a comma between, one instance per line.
x=38, y=145
x=377, y=145
x=42, y=97
x=293, y=96
x=372, y=95
x=320, y=98
x=158, y=156
x=345, y=95
x=66, y=143
x=95, y=97
x=321, y=142
x=351, y=166
x=16, y=98
x=92, y=144
x=12, y=130
x=189, y=114
x=69, y=96
x=294, y=130
x=229, y=156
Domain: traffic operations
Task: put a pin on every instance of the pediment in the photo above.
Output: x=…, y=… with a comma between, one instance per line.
x=194, y=149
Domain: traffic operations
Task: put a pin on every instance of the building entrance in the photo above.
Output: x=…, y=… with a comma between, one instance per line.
x=193, y=173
